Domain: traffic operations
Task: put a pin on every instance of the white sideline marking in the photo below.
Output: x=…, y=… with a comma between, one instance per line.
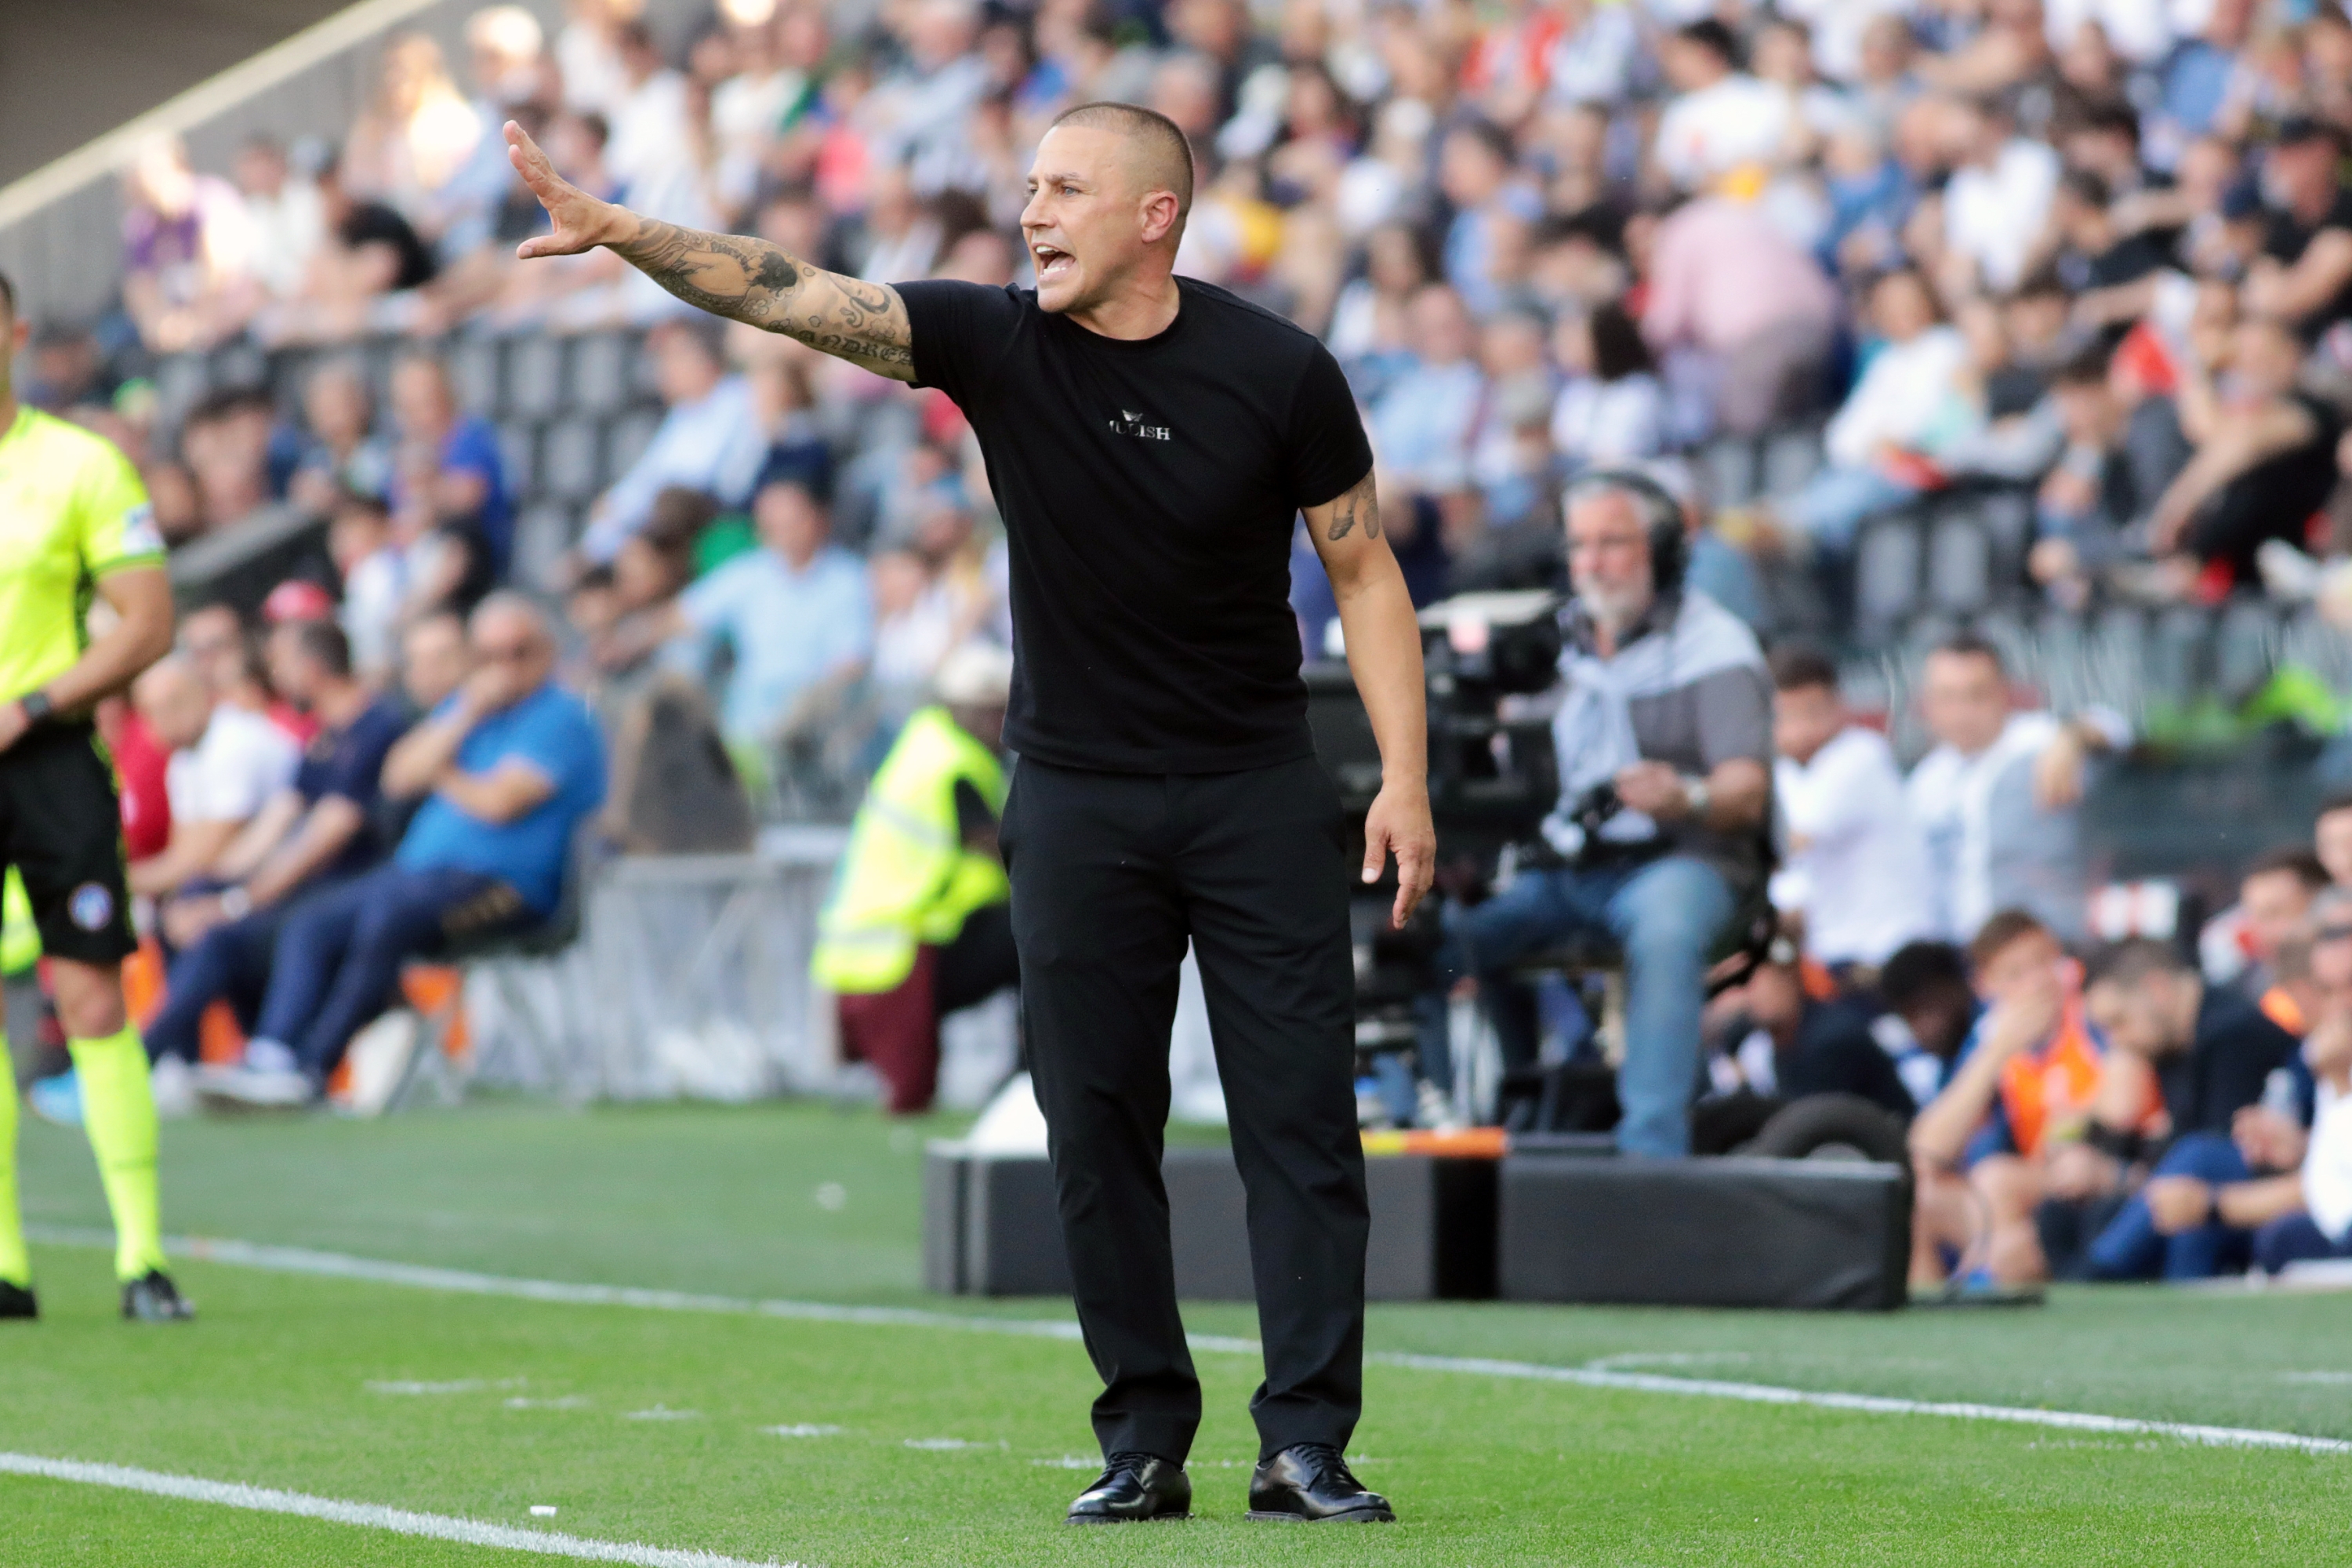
x=462, y=1386
x=340, y=1265
x=365, y=1515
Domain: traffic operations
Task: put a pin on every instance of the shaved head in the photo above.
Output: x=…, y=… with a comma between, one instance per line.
x=1158, y=156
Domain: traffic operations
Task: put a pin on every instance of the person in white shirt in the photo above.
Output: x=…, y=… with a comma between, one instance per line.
x=1996, y=206
x=287, y=215
x=1999, y=798
x=1857, y=868
x=1721, y=120
x=227, y=762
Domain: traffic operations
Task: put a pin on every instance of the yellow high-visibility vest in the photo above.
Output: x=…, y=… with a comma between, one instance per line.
x=907, y=880
x=20, y=943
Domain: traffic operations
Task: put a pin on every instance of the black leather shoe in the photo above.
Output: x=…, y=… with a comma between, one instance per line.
x=1134, y=1487
x=17, y=1301
x=1309, y=1483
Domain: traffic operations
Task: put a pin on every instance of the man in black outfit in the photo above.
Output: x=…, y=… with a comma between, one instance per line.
x=1149, y=441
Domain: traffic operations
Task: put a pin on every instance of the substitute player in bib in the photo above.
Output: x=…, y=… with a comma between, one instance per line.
x=1150, y=441
x=74, y=522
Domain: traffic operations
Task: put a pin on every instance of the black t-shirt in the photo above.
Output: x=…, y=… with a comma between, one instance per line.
x=1147, y=490
x=2284, y=239
x=349, y=763
x=373, y=223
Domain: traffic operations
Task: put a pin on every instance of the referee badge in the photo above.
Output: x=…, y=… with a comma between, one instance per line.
x=91, y=907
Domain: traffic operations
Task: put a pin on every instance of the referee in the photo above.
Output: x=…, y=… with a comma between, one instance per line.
x=74, y=522
x=1149, y=441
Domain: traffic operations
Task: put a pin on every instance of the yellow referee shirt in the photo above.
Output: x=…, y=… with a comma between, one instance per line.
x=72, y=509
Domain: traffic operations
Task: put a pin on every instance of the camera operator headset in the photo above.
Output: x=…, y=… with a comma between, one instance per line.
x=1624, y=642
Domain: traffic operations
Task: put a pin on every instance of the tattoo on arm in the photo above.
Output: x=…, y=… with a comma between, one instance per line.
x=1359, y=503
x=753, y=281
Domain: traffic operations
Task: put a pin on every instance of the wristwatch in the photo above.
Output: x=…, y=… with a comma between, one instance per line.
x=236, y=903
x=36, y=706
x=1700, y=797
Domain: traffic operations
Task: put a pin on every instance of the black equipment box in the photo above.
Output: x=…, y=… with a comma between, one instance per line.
x=990, y=1226
x=1730, y=1232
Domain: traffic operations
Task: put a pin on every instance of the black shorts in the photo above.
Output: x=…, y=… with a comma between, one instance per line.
x=61, y=826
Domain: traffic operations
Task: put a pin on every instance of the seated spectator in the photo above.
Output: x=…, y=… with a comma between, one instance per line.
x=654, y=566
x=215, y=641
x=313, y=835
x=2030, y=1069
x=375, y=576
x=1664, y=742
x=1611, y=410
x=1785, y=1044
x=2185, y=1061
x=1423, y=423
x=1930, y=1009
x=413, y=139
x=914, y=628
x=709, y=440
x=919, y=923
x=2304, y=277
x=370, y=274
x=2096, y=260
x=283, y=213
x=796, y=613
x=187, y=251
x=1741, y=312
x=1998, y=202
x=1856, y=867
x=2266, y=461
x=1721, y=121
x=1914, y=399
x=341, y=452
x=1999, y=798
x=449, y=469
x=435, y=660
x=227, y=762
x=2123, y=448
x=226, y=443
x=507, y=768
x=2239, y=946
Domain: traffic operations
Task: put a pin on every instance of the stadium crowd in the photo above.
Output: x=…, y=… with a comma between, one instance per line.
x=2095, y=254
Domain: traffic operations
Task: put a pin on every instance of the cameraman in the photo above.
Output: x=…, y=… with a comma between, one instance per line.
x=1665, y=739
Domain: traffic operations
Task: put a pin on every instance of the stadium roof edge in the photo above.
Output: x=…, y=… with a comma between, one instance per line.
x=105, y=155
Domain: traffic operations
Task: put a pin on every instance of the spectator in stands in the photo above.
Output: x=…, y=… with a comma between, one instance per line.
x=341, y=450
x=283, y=213
x=375, y=580
x=1664, y=742
x=215, y=641
x=408, y=147
x=226, y=443
x=1998, y=202
x=2030, y=1068
x=2303, y=276
x=797, y=613
x=186, y=250
x=2123, y=448
x=449, y=466
x=227, y=762
x=1423, y=423
x=435, y=660
x=1931, y=1006
x=709, y=440
x=2185, y=1061
x=1914, y=399
x=1747, y=314
x=1999, y=798
x=2239, y=946
x=1857, y=868
x=507, y=768
x=2265, y=458
x=315, y=833
x=1721, y=121
x=1611, y=410
x=653, y=568
x=1784, y=1044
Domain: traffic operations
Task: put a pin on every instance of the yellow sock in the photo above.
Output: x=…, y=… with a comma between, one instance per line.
x=118, y=1111
x=16, y=1263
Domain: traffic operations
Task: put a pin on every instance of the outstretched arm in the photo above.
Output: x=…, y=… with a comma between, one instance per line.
x=742, y=278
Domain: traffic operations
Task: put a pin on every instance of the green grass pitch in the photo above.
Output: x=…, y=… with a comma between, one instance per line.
x=655, y=1427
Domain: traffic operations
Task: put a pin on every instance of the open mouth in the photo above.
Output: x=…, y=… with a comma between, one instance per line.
x=1052, y=261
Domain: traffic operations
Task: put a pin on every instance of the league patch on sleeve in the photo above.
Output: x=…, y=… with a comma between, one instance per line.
x=140, y=534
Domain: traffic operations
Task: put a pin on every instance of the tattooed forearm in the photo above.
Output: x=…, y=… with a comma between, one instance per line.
x=1358, y=505
x=753, y=281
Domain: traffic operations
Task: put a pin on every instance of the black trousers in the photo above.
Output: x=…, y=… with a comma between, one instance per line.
x=1112, y=873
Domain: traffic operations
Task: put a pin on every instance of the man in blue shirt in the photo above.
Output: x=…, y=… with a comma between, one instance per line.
x=795, y=613
x=509, y=766
x=468, y=492
x=315, y=835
